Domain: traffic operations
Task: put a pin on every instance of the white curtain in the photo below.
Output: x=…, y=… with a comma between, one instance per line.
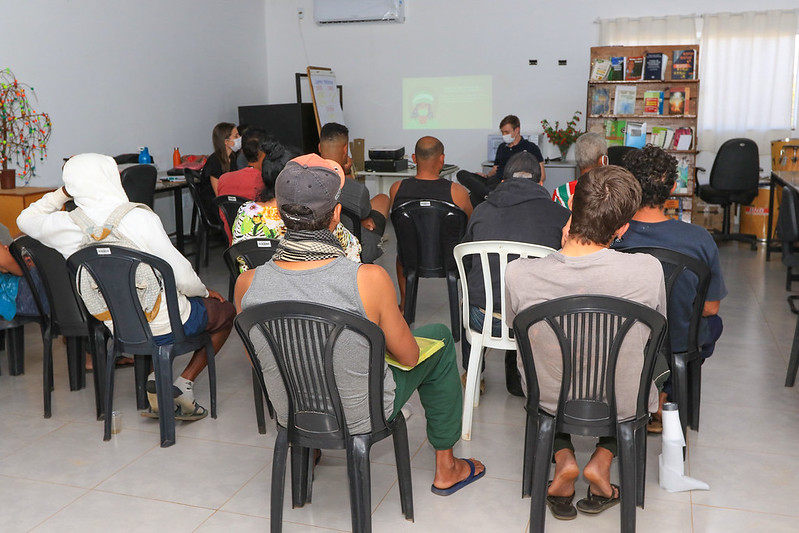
x=677, y=29
x=747, y=73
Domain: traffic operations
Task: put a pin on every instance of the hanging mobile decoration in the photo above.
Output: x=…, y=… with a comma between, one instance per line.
x=24, y=132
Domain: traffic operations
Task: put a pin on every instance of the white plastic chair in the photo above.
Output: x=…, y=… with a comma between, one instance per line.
x=481, y=340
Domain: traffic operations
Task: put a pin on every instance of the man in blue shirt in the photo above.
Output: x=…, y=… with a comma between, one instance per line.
x=656, y=171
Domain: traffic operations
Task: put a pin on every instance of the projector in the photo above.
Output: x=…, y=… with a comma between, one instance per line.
x=386, y=165
x=387, y=152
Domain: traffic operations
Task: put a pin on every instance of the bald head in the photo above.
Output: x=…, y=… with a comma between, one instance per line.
x=428, y=156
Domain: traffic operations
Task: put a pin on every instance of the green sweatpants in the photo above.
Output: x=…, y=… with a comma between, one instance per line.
x=439, y=386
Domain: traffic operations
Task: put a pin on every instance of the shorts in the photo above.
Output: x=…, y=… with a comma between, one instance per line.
x=207, y=315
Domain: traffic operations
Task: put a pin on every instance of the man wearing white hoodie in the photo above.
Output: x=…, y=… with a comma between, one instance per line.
x=92, y=181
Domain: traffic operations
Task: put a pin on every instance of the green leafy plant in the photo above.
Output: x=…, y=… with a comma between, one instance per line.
x=25, y=132
x=563, y=138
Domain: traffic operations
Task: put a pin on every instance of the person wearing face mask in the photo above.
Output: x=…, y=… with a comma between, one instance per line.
x=591, y=151
x=480, y=184
x=227, y=142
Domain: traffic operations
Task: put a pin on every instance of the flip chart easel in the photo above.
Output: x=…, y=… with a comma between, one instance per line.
x=326, y=101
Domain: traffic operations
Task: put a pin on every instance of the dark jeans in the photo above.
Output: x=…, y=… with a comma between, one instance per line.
x=477, y=185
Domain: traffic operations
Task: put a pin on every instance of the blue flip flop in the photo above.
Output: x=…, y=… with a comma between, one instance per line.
x=460, y=484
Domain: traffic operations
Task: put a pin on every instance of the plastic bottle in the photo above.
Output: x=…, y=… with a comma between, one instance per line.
x=176, y=157
x=144, y=156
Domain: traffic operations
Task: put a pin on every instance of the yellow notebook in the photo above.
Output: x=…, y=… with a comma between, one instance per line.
x=427, y=347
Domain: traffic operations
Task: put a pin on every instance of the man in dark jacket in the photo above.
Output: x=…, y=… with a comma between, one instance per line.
x=520, y=210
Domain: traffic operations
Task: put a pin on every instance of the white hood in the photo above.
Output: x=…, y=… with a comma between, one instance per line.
x=93, y=182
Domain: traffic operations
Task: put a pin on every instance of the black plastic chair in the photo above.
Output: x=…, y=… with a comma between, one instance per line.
x=733, y=180
x=427, y=232
x=139, y=184
x=316, y=418
x=351, y=221
x=788, y=233
x=228, y=206
x=67, y=317
x=114, y=270
x=590, y=330
x=130, y=159
x=686, y=367
x=253, y=253
x=203, y=197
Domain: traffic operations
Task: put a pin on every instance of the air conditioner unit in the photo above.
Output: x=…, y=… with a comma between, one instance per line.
x=348, y=11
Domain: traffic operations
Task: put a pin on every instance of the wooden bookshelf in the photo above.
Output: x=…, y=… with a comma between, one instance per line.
x=597, y=122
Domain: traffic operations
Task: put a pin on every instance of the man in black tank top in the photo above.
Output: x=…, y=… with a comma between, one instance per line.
x=427, y=185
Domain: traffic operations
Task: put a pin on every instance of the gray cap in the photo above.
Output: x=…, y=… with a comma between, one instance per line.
x=310, y=181
x=523, y=162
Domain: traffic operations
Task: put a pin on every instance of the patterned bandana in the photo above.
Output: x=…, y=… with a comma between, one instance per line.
x=308, y=246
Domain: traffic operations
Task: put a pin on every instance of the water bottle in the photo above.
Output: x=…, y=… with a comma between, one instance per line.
x=176, y=157
x=144, y=156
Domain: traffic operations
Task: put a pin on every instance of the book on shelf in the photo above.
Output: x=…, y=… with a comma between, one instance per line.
x=662, y=137
x=634, y=68
x=599, y=71
x=653, y=102
x=683, y=64
x=624, y=100
x=616, y=72
x=600, y=101
x=672, y=208
x=683, y=138
x=655, y=66
x=678, y=100
x=683, y=170
x=614, y=131
x=635, y=134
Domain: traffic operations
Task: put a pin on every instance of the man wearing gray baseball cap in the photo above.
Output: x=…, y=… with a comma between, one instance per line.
x=309, y=266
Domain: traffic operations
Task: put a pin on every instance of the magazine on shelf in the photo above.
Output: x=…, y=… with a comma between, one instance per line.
x=600, y=70
x=600, y=101
x=678, y=100
x=614, y=131
x=653, y=102
x=634, y=68
x=655, y=66
x=616, y=72
x=683, y=65
x=635, y=134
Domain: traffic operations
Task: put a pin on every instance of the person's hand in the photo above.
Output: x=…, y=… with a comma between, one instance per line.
x=215, y=295
x=347, y=167
x=368, y=223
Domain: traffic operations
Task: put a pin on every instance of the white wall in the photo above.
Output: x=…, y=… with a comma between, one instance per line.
x=458, y=37
x=117, y=75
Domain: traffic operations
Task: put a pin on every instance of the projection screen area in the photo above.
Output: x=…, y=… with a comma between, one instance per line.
x=455, y=102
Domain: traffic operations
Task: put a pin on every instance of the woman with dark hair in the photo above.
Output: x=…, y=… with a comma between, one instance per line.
x=226, y=141
x=261, y=218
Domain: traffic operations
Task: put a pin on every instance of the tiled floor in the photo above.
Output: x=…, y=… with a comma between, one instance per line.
x=58, y=474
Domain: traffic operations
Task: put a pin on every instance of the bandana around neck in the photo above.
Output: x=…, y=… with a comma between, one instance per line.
x=301, y=245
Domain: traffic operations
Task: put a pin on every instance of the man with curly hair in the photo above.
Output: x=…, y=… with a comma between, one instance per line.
x=656, y=171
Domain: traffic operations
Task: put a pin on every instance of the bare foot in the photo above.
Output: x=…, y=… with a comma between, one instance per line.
x=597, y=472
x=450, y=470
x=566, y=471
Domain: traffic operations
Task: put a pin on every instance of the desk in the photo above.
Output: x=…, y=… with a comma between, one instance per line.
x=782, y=178
x=176, y=187
x=447, y=172
x=13, y=201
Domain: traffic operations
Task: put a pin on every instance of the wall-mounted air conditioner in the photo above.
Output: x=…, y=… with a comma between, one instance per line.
x=346, y=11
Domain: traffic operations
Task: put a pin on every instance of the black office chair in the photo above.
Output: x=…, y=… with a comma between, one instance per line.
x=788, y=233
x=251, y=253
x=351, y=221
x=427, y=232
x=130, y=159
x=733, y=180
x=139, y=184
x=590, y=330
x=203, y=197
x=228, y=206
x=113, y=269
x=66, y=317
x=316, y=418
x=616, y=154
x=686, y=366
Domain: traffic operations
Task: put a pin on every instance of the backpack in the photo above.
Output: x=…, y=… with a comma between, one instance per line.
x=149, y=283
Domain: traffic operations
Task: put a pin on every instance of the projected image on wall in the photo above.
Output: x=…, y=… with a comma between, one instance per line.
x=455, y=102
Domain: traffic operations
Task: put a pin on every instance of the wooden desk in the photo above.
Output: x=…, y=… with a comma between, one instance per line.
x=781, y=178
x=13, y=201
x=175, y=186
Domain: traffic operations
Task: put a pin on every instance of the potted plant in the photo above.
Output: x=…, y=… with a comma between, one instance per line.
x=563, y=138
x=24, y=131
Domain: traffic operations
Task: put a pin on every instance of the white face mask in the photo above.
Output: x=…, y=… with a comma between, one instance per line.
x=236, y=144
x=508, y=138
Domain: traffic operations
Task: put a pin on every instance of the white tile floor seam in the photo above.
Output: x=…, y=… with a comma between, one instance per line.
x=58, y=474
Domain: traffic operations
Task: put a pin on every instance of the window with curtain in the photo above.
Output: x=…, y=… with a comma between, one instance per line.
x=747, y=64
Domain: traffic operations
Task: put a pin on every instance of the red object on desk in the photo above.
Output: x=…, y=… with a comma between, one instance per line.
x=176, y=157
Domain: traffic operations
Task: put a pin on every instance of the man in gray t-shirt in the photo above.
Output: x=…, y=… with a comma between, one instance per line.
x=604, y=201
